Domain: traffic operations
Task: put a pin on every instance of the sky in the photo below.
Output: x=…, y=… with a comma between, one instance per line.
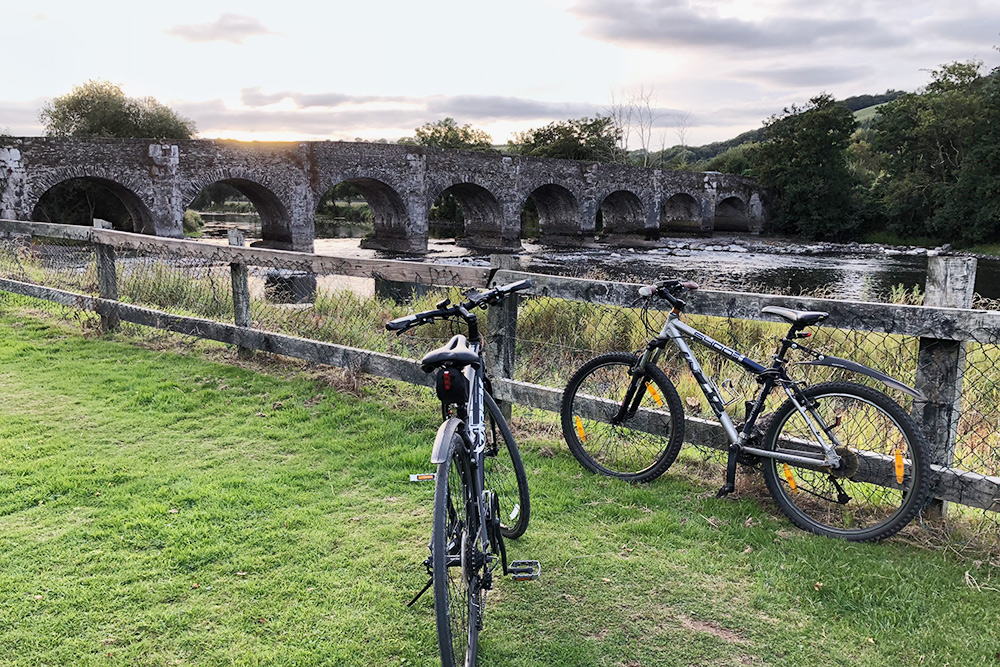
x=378, y=69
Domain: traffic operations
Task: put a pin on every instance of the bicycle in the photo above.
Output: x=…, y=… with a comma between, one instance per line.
x=480, y=487
x=839, y=458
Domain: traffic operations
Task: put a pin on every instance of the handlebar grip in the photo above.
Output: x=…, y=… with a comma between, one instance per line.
x=401, y=323
x=648, y=290
x=690, y=285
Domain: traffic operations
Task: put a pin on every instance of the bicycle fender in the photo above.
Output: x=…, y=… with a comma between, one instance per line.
x=445, y=433
x=855, y=367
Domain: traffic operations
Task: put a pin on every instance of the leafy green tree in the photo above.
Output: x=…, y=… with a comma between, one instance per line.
x=101, y=109
x=936, y=146
x=596, y=139
x=447, y=133
x=803, y=158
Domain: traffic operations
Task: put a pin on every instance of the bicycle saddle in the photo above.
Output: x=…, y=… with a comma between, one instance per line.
x=802, y=318
x=456, y=353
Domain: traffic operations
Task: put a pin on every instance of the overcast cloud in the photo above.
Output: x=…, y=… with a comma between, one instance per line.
x=232, y=28
x=298, y=70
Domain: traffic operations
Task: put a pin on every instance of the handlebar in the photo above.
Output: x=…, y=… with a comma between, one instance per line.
x=668, y=289
x=444, y=310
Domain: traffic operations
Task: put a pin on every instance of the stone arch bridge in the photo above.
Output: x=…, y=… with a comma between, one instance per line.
x=574, y=200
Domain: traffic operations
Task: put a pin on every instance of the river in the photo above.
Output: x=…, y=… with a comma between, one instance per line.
x=722, y=262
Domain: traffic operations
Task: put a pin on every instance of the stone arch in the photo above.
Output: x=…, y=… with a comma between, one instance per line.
x=390, y=218
x=680, y=212
x=275, y=222
x=481, y=212
x=731, y=214
x=621, y=213
x=80, y=199
x=557, y=209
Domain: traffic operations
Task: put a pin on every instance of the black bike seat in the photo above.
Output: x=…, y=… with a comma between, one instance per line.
x=456, y=353
x=801, y=317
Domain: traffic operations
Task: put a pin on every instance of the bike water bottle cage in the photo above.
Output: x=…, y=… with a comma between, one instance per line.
x=456, y=353
x=799, y=318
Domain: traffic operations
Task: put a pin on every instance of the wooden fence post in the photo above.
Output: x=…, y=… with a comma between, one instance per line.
x=501, y=325
x=107, y=281
x=951, y=283
x=241, y=292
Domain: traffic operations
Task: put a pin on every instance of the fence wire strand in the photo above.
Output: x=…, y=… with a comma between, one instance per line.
x=554, y=336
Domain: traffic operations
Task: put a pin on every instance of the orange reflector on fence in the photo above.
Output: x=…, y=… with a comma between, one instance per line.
x=579, y=429
x=654, y=393
x=791, y=480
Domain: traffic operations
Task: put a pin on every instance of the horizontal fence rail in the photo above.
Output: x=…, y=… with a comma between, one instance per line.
x=99, y=270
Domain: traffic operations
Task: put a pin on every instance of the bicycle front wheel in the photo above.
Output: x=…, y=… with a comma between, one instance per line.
x=457, y=595
x=504, y=473
x=621, y=424
x=882, y=480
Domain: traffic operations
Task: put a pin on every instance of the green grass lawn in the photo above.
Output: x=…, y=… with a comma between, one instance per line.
x=160, y=508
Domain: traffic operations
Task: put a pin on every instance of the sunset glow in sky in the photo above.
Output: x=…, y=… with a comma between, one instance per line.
x=378, y=69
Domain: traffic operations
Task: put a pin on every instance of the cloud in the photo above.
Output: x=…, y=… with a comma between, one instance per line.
x=810, y=76
x=254, y=97
x=232, y=28
x=495, y=107
x=672, y=24
x=20, y=119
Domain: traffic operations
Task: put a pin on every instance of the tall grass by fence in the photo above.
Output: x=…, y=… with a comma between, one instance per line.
x=332, y=310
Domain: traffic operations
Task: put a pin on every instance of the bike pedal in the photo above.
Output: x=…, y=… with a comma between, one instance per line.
x=524, y=570
x=423, y=477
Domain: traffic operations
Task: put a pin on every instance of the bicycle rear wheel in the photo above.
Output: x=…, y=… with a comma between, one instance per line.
x=505, y=474
x=619, y=424
x=457, y=593
x=882, y=481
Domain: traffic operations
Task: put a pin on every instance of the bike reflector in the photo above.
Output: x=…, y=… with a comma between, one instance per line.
x=579, y=429
x=654, y=393
x=900, y=468
x=791, y=480
x=423, y=477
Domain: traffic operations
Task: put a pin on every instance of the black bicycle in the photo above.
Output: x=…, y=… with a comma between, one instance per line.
x=840, y=459
x=480, y=487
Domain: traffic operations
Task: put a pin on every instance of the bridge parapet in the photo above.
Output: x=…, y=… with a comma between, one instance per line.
x=572, y=201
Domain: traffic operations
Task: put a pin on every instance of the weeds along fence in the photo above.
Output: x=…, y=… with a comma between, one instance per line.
x=332, y=310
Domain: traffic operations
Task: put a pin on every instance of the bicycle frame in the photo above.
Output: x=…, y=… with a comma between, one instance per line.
x=674, y=330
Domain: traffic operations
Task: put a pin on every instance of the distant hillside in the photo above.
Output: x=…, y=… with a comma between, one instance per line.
x=863, y=106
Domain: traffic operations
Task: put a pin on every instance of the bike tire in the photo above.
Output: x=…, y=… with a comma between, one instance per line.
x=504, y=473
x=457, y=598
x=885, y=472
x=643, y=445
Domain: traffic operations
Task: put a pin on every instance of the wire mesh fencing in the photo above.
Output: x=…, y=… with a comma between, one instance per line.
x=290, y=294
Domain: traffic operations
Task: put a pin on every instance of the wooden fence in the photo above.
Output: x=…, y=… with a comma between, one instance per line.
x=943, y=329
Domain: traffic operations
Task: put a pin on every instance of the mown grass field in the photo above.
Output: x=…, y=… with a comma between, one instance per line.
x=158, y=507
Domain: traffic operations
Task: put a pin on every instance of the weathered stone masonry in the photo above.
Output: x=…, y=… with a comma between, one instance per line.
x=286, y=180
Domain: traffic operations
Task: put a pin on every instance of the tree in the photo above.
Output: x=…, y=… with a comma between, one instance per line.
x=101, y=109
x=447, y=133
x=633, y=112
x=803, y=158
x=595, y=139
x=937, y=146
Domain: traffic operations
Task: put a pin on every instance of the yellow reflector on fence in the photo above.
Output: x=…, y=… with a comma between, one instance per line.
x=899, y=465
x=579, y=429
x=654, y=393
x=791, y=480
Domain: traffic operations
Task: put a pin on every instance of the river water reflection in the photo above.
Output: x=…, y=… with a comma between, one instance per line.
x=861, y=274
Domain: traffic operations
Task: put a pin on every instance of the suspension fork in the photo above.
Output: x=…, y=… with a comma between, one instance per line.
x=637, y=385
